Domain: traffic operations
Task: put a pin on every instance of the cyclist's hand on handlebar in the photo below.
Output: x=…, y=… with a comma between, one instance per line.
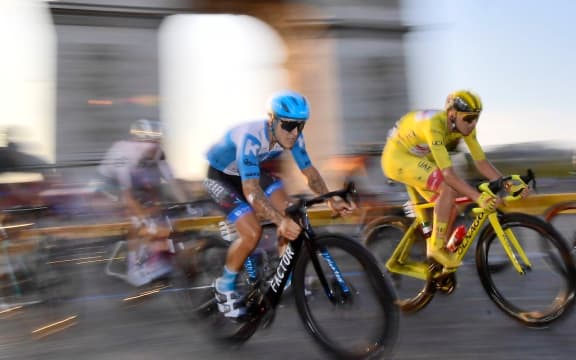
x=522, y=190
x=341, y=207
x=288, y=229
x=488, y=202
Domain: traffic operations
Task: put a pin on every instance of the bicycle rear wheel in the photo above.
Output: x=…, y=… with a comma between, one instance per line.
x=545, y=292
x=363, y=318
x=382, y=236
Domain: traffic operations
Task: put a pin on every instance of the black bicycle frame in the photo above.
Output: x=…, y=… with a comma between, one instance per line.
x=293, y=251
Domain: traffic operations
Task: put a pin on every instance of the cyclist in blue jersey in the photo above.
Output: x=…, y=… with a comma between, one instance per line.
x=241, y=188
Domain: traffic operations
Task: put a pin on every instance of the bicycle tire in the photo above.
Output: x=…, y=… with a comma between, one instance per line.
x=521, y=296
x=355, y=263
x=382, y=236
x=198, y=262
x=560, y=216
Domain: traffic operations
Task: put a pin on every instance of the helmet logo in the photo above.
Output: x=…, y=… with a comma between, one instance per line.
x=464, y=101
x=461, y=105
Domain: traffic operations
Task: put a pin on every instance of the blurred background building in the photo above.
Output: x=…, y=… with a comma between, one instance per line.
x=346, y=56
x=201, y=66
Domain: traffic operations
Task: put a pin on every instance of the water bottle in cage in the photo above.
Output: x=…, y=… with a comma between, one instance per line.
x=426, y=228
x=456, y=238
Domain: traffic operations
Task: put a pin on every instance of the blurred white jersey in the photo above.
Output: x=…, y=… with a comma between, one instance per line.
x=135, y=163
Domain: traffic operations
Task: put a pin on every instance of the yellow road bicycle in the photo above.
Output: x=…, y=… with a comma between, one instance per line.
x=523, y=263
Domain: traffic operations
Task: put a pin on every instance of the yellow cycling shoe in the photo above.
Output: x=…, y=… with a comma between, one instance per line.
x=441, y=255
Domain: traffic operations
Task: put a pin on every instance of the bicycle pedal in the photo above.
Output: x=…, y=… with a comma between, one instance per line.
x=446, y=284
x=434, y=267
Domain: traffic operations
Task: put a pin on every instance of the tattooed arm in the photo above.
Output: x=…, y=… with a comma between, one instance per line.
x=259, y=202
x=317, y=184
x=287, y=228
x=315, y=181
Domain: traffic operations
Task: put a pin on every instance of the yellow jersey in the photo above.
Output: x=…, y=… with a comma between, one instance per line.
x=426, y=133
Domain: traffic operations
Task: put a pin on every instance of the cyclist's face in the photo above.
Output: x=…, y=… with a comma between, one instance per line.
x=466, y=122
x=287, y=132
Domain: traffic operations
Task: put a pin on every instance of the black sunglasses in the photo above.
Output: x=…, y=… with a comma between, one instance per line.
x=291, y=125
x=470, y=118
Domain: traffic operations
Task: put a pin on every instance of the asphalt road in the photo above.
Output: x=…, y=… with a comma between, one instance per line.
x=463, y=325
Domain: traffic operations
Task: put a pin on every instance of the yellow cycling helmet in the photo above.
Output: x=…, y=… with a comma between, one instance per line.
x=464, y=101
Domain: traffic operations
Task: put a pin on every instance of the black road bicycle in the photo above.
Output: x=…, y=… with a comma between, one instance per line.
x=342, y=295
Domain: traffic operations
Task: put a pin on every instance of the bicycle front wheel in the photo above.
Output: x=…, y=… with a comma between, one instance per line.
x=353, y=314
x=544, y=292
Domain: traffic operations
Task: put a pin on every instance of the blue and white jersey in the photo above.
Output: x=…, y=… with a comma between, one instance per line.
x=245, y=146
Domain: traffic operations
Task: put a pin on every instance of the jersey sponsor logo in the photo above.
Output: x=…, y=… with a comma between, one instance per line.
x=421, y=149
x=424, y=165
x=437, y=142
x=250, y=161
x=251, y=148
x=214, y=189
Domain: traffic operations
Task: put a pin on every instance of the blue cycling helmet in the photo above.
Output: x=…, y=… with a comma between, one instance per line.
x=289, y=105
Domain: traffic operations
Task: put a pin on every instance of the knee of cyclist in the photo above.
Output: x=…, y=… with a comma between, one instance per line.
x=249, y=238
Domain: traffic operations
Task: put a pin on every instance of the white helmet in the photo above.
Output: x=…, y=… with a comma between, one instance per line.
x=148, y=130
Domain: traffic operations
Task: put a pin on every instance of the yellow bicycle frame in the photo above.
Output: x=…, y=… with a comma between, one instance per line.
x=400, y=262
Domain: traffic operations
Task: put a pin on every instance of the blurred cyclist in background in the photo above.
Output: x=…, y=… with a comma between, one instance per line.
x=416, y=154
x=134, y=169
x=238, y=184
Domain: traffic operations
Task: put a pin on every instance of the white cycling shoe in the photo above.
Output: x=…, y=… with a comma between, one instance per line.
x=229, y=302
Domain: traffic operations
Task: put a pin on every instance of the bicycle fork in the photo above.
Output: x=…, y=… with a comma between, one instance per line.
x=345, y=290
x=510, y=244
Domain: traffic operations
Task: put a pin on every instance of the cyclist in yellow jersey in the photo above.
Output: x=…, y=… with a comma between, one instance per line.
x=416, y=154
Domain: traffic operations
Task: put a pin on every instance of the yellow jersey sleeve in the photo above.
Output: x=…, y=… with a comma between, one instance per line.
x=475, y=150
